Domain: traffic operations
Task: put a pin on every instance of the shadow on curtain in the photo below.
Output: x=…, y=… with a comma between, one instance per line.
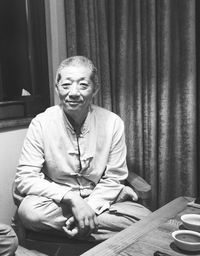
x=145, y=51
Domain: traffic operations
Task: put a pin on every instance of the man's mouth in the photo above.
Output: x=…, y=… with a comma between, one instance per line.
x=73, y=102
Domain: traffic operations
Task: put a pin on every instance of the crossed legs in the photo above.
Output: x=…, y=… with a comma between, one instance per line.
x=42, y=214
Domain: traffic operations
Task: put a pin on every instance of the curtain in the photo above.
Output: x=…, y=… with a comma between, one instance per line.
x=147, y=59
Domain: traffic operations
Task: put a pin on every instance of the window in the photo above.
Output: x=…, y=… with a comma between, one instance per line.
x=24, y=84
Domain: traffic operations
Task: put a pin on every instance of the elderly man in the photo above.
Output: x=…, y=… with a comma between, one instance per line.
x=73, y=162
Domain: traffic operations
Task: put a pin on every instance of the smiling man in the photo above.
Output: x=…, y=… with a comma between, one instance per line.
x=76, y=89
x=73, y=163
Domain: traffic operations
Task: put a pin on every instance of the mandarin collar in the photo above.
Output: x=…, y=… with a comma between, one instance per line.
x=85, y=126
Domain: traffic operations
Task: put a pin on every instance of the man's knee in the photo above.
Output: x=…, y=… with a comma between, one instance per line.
x=8, y=240
x=120, y=216
x=40, y=213
x=30, y=215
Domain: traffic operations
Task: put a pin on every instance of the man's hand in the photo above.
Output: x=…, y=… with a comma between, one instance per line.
x=127, y=193
x=83, y=220
x=70, y=229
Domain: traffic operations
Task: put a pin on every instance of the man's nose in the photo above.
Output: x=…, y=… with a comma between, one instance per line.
x=74, y=90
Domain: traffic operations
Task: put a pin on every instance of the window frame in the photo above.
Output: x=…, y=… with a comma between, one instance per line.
x=39, y=72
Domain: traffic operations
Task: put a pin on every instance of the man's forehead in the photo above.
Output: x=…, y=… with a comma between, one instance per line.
x=80, y=71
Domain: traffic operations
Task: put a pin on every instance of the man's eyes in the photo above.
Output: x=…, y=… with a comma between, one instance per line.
x=81, y=85
x=67, y=85
x=84, y=85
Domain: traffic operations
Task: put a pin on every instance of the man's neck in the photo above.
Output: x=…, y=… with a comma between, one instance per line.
x=76, y=123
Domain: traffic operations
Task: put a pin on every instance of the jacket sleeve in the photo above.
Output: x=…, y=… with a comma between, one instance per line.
x=111, y=183
x=29, y=177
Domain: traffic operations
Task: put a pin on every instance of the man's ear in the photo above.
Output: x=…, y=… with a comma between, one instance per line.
x=56, y=89
x=95, y=91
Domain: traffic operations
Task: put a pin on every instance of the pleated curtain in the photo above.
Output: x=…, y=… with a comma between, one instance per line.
x=146, y=52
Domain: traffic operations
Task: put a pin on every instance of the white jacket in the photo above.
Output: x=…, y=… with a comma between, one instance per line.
x=54, y=160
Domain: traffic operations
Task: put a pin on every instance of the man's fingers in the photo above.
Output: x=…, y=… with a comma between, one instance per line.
x=71, y=233
x=81, y=224
x=87, y=226
x=134, y=196
x=93, y=225
x=87, y=222
x=69, y=222
x=96, y=221
x=84, y=226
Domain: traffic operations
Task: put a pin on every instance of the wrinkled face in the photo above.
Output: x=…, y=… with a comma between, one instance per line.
x=76, y=90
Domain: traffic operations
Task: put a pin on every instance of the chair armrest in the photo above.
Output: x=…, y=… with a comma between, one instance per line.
x=141, y=187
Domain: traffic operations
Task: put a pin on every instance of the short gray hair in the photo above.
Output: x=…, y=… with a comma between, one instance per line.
x=75, y=61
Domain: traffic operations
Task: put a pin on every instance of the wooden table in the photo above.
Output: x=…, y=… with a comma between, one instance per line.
x=149, y=235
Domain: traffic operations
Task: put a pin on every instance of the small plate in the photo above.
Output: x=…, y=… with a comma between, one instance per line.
x=187, y=240
x=191, y=221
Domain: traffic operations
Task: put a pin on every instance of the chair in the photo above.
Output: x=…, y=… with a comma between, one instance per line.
x=53, y=243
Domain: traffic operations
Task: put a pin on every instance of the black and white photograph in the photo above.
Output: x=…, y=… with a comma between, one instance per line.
x=99, y=127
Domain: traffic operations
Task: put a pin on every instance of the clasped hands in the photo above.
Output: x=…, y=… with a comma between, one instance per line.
x=83, y=220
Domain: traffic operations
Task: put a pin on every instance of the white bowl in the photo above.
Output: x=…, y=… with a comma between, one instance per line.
x=187, y=240
x=191, y=221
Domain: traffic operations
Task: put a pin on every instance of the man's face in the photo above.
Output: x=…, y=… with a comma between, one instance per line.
x=75, y=90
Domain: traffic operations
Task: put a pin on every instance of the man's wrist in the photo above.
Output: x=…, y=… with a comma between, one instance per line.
x=69, y=197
